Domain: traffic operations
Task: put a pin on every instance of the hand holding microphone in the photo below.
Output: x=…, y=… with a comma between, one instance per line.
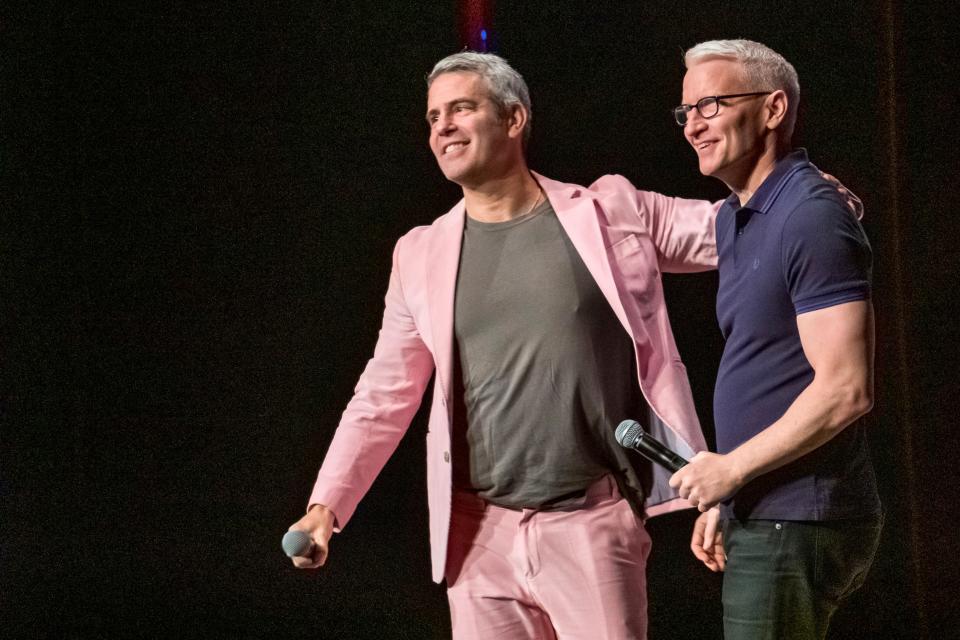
x=705, y=480
x=306, y=543
x=632, y=436
x=297, y=544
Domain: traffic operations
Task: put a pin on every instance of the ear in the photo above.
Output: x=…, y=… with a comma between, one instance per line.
x=517, y=120
x=775, y=107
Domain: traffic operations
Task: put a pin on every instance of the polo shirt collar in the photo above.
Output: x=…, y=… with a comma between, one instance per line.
x=764, y=197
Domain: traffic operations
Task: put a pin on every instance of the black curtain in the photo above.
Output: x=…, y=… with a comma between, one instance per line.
x=199, y=207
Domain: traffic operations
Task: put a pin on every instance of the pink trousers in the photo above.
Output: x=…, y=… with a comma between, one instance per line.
x=571, y=574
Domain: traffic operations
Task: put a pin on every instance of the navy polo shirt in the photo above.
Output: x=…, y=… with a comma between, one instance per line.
x=794, y=248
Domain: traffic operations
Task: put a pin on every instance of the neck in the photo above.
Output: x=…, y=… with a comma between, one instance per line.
x=746, y=184
x=503, y=198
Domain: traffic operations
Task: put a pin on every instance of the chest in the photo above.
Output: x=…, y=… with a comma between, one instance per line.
x=752, y=293
x=531, y=271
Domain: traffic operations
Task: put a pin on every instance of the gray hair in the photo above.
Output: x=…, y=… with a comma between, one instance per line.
x=763, y=68
x=506, y=86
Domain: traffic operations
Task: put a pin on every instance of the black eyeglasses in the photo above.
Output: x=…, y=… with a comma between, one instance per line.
x=709, y=107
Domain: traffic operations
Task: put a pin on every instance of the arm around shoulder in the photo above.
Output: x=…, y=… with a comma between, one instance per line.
x=684, y=231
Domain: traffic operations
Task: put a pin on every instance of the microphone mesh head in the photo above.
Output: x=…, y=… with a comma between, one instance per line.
x=296, y=543
x=627, y=433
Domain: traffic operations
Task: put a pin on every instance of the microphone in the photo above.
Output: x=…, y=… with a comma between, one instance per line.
x=297, y=543
x=632, y=436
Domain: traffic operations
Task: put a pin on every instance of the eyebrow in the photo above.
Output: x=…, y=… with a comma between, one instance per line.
x=451, y=104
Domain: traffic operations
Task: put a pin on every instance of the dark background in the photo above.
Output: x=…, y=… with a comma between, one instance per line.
x=199, y=204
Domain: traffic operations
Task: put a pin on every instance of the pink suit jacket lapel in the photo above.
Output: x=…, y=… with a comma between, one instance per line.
x=577, y=213
x=443, y=261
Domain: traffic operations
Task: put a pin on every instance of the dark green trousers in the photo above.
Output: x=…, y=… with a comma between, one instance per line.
x=785, y=579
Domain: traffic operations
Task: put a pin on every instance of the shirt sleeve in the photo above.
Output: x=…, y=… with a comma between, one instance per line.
x=825, y=255
x=684, y=231
x=384, y=402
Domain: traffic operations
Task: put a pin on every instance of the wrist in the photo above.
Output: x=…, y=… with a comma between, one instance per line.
x=321, y=513
x=739, y=469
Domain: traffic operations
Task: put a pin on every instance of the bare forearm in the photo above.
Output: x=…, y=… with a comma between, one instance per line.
x=818, y=414
x=838, y=343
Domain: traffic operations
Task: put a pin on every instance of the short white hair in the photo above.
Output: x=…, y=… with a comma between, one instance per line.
x=764, y=69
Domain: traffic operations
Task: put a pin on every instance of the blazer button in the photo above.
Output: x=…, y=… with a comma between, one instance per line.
x=446, y=456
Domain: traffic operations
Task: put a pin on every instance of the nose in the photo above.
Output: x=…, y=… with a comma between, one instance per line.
x=443, y=125
x=695, y=124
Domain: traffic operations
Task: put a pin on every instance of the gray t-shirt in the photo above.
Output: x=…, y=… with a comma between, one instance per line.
x=546, y=371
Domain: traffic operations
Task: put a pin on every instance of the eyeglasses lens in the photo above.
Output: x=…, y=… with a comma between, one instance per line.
x=708, y=107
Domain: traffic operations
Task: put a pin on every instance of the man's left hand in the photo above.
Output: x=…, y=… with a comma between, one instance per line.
x=707, y=479
x=707, y=540
x=853, y=202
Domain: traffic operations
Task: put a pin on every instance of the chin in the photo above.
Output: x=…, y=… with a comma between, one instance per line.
x=455, y=167
x=450, y=174
x=460, y=178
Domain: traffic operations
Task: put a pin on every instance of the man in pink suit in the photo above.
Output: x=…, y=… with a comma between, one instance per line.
x=540, y=307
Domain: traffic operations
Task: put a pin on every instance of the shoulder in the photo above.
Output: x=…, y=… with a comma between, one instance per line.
x=613, y=194
x=808, y=189
x=422, y=234
x=415, y=248
x=612, y=183
x=607, y=184
x=809, y=205
x=617, y=196
x=417, y=235
x=818, y=232
x=820, y=215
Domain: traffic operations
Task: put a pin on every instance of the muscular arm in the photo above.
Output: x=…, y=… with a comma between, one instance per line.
x=838, y=343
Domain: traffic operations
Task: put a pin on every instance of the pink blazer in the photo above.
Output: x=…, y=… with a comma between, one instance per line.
x=626, y=238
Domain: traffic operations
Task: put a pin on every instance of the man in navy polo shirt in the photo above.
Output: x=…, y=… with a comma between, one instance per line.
x=800, y=511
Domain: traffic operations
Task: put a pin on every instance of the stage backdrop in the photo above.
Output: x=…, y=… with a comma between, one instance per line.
x=199, y=207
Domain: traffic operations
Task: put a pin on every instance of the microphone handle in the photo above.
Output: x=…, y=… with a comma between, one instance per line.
x=657, y=452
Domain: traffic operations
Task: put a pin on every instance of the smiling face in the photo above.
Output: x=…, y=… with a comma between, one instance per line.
x=730, y=145
x=470, y=140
